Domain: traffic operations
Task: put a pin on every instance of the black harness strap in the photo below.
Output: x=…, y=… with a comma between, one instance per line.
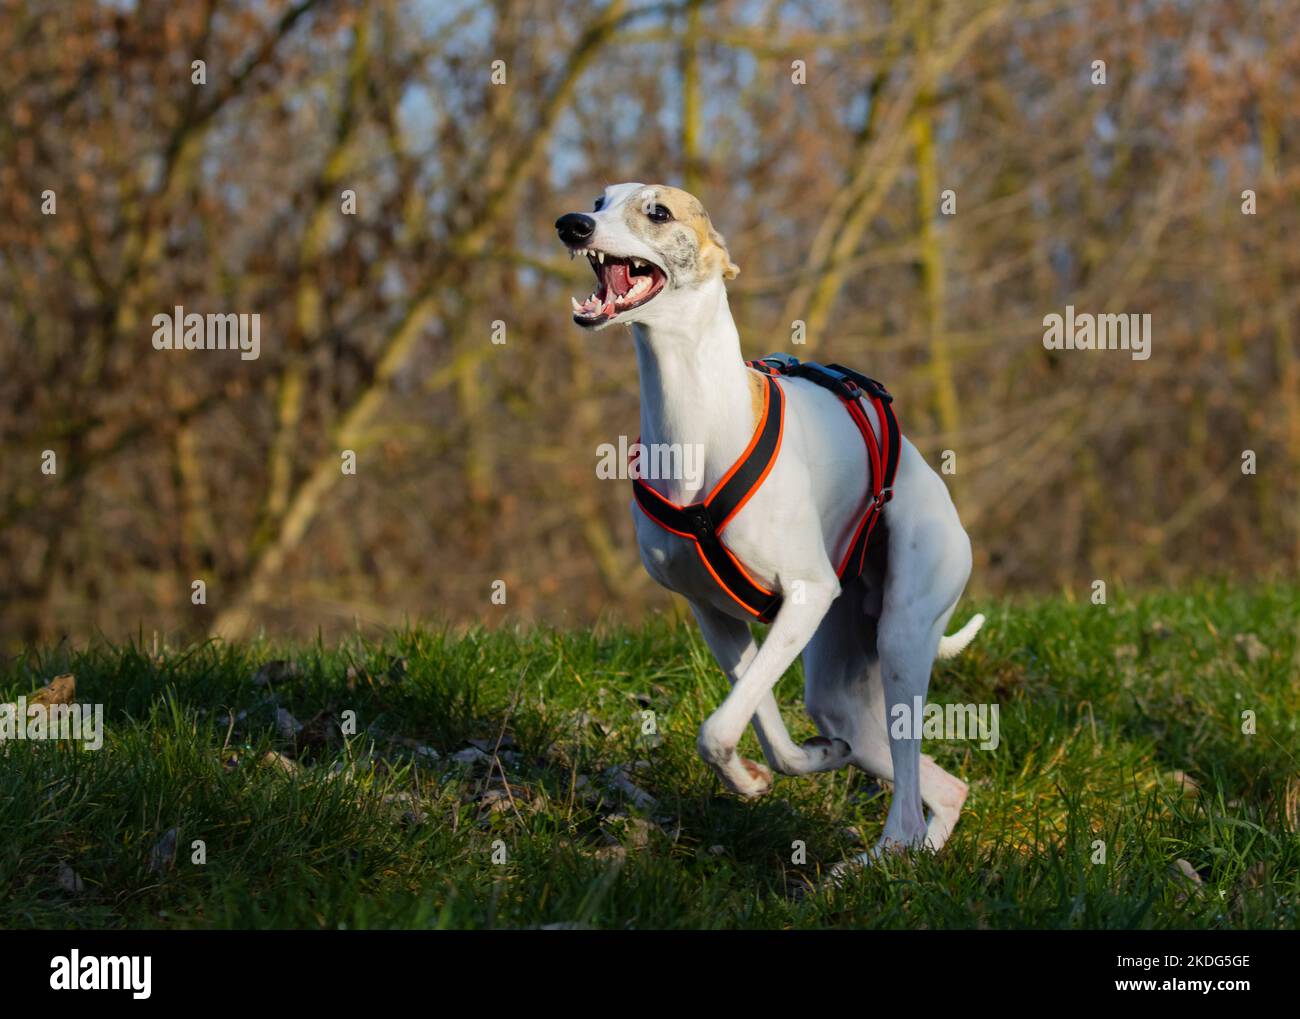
x=703, y=522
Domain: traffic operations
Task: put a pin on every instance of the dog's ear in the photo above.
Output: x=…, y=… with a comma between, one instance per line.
x=730, y=270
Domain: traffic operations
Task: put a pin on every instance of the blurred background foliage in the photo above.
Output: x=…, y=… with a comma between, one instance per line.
x=476, y=461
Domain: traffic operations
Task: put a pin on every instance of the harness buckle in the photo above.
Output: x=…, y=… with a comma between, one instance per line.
x=776, y=364
x=701, y=522
x=865, y=383
x=879, y=392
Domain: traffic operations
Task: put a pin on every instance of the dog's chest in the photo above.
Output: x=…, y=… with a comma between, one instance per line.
x=675, y=563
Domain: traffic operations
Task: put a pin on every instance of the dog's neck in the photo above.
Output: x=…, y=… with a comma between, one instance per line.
x=695, y=388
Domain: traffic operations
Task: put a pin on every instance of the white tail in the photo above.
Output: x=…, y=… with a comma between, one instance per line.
x=951, y=647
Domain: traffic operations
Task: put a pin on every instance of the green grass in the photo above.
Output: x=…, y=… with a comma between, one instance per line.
x=1102, y=710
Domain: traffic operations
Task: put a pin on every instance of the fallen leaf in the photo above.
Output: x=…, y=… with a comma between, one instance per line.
x=636, y=830
x=1187, y=870
x=1251, y=646
x=495, y=801
x=59, y=690
x=412, y=813
x=273, y=758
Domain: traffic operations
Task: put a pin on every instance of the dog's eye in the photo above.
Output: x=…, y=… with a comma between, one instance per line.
x=599, y=203
x=659, y=214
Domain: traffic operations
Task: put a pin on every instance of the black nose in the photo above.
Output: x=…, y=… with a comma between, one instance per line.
x=575, y=228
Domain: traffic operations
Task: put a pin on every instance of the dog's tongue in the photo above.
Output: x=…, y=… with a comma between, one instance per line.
x=617, y=282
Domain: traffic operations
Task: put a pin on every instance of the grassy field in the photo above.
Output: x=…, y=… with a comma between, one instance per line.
x=502, y=779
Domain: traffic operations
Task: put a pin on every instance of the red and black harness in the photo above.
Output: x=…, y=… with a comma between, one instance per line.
x=704, y=522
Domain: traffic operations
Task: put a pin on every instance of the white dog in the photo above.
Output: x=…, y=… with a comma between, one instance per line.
x=868, y=640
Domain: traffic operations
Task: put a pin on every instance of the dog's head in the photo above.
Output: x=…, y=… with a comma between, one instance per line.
x=646, y=243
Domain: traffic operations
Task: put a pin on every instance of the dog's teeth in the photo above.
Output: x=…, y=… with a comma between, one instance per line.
x=637, y=263
x=600, y=257
x=576, y=306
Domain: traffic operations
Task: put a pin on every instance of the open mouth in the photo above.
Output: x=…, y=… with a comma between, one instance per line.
x=621, y=285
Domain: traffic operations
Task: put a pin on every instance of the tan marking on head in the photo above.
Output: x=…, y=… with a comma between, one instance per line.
x=688, y=209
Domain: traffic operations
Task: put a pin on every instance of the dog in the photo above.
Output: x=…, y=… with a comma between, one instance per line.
x=868, y=643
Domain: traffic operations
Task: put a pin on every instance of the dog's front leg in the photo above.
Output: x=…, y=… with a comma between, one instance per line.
x=735, y=649
x=790, y=632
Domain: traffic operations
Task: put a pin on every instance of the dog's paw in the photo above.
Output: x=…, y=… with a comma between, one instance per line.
x=885, y=847
x=839, y=874
x=826, y=754
x=758, y=779
x=747, y=779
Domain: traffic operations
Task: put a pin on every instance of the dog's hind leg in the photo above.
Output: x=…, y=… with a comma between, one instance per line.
x=734, y=647
x=929, y=565
x=846, y=697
